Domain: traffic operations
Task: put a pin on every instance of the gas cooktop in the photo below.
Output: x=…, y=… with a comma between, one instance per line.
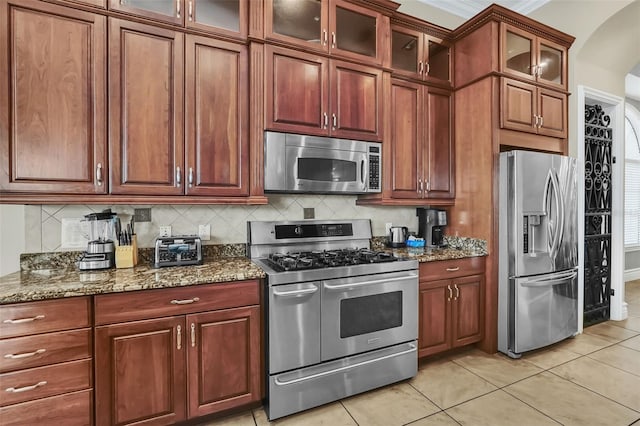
x=327, y=258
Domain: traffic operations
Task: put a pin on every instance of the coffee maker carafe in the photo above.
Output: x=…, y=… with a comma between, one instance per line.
x=100, y=252
x=431, y=224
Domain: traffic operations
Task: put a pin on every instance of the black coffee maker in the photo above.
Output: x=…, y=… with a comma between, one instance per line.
x=431, y=224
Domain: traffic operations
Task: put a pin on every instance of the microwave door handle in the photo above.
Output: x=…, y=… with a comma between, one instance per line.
x=363, y=174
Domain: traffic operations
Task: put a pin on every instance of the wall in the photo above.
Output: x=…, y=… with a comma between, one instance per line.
x=632, y=258
x=228, y=222
x=12, y=237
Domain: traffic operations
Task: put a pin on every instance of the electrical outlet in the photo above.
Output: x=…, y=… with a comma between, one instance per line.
x=204, y=232
x=165, y=231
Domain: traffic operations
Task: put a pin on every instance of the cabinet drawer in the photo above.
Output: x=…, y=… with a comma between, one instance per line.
x=40, y=382
x=22, y=319
x=112, y=308
x=445, y=269
x=71, y=409
x=42, y=349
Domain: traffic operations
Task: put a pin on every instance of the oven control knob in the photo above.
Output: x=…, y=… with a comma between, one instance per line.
x=298, y=230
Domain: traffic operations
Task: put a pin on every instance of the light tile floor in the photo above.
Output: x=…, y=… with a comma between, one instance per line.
x=593, y=379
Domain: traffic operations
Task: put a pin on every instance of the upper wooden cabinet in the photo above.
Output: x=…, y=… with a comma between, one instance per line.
x=420, y=56
x=528, y=56
x=528, y=108
x=421, y=163
x=314, y=95
x=227, y=17
x=52, y=99
x=336, y=27
x=149, y=151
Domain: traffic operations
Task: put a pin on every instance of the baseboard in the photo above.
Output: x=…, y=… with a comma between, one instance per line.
x=632, y=274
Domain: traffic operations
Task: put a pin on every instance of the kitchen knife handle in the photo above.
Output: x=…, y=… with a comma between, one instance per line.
x=99, y=174
x=178, y=176
x=179, y=337
x=193, y=335
x=190, y=177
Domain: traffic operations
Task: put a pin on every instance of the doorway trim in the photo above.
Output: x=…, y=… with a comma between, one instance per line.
x=614, y=107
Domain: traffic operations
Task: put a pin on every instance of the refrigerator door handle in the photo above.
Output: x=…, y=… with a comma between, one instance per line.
x=553, y=233
x=550, y=280
x=560, y=225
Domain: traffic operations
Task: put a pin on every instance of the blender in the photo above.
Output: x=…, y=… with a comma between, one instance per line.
x=100, y=252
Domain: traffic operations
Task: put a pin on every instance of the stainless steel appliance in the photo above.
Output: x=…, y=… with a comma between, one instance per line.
x=538, y=286
x=178, y=251
x=314, y=164
x=340, y=318
x=397, y=236
x=100, y=252
x=431, y=224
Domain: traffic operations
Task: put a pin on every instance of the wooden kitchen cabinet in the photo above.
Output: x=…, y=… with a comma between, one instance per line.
x=151, y=154
x=421, y=56
x=319, y=96
x=450, y=304
x=226, y=17
x=52, y=100
x=46, y=368
x=418, y=159
x=204, y=361
x=528, y=56
x=529, y=108
x=335, y=27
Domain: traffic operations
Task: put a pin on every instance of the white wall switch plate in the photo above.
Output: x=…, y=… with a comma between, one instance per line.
x=165, y=231
x=204, y=232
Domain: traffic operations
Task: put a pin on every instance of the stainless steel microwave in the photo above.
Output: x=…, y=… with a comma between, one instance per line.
x=314, y=164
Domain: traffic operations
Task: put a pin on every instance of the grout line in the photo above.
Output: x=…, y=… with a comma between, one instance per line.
x=347, y=410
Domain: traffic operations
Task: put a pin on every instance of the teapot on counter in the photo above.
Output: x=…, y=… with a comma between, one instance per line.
x=397, y=236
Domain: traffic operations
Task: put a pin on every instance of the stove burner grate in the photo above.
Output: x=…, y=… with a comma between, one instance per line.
x=297, y=261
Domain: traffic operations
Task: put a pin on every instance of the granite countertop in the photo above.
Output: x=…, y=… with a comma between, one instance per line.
x=68, y=281
x=55, y=275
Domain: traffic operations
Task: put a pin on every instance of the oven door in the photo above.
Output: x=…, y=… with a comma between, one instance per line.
x=326, y=170
x=368, y=312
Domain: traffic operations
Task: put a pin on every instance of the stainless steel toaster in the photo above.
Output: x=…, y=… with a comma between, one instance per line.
x=178, y=251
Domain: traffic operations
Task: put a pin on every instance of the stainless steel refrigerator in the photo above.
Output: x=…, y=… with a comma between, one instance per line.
x=538, y=251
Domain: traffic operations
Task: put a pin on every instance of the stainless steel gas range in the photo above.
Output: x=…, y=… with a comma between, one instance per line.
x=340, y=318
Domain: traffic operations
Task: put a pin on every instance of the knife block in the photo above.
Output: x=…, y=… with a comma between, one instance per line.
x=127, y=256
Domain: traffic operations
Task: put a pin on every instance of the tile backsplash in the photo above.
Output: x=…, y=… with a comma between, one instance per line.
x=228, y=222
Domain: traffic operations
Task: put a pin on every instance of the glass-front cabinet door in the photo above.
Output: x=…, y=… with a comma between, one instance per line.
x=406, y=52
x=438, y=60
x=331, y=26
x=163, y=10
x=532, y=57
x=221, y=16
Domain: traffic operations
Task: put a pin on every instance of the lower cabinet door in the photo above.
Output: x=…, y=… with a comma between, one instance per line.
x=223, y=359
x=435, y=313
x=140, y=372
x=467, y=310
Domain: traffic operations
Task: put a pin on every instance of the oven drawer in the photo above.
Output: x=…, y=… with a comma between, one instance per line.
x=294, y=326
x=363, y=313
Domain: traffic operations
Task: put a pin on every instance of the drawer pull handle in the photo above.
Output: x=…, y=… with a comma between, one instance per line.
x=193, y=335
x=179, y=337
x=25, y=355
x=26, y=388
x=184, y=301
x=457, y=268
x=457, y=292
x=23, y=320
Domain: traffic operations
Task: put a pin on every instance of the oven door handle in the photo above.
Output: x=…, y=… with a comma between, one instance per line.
x=295, y=293
x=346, y=367
x=365, y=283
